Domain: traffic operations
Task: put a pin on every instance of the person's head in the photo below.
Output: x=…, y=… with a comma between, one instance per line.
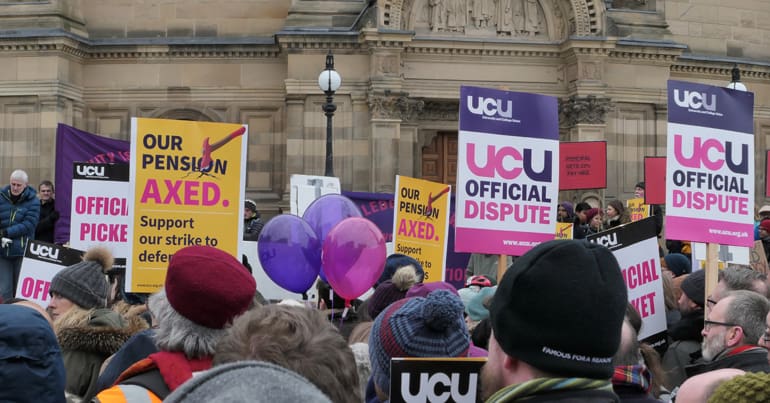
x=735, y=278
x=565, y=211
x=31, y=365
x=417, y=327
x=360, y=333
x=19, y=181
x=764, y=212
x=477, y=309
x=764, y=341
x=736, y=320
x=249, y=209
x=594, y=217
x=580, y=211
x=83, y=284
x=537, y=340
x=615, y=209
x=34, y=306
x=45, y=191
x=248, y=381
x=205, y=289
x=299, y=339
x=764, y=228
x=397, y=261
x=392, y=290
x=751, y=387
x=699, y=388
x=677, y=263
x=639, y=190
x=693, y=292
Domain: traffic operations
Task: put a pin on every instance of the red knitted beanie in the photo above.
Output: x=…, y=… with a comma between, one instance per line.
x=208, y=286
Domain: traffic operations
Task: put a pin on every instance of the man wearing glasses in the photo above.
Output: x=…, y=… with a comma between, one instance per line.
x=731, y=333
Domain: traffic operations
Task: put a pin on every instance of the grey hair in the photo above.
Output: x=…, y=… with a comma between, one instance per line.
x=743, y=278
x=20, y=175
x=177, y=333
x=748, y=310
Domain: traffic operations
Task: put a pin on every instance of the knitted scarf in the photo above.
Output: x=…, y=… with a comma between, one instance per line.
x=636, y=376
x=542, y=385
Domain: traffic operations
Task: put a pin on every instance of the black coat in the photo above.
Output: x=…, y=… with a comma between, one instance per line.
x=752, y=360
x=46, y=223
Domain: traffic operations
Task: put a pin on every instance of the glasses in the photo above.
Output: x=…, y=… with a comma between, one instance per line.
x=711, y=302
x=708, y=323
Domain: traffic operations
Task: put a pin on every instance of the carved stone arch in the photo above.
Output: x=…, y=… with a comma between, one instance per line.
x=585, y=14
x=186, y=114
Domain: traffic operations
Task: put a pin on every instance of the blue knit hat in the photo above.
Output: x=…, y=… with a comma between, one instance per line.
x=417, y=327
x=475, y=307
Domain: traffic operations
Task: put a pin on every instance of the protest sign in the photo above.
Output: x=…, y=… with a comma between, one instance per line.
x=757, y=258
x=507, y=171
x=725, y=254
x=655, y=180
x=637, y=209
x=564, y=230
x=635, y=246
x=379, y=208
x=583, y=165
x=39, y=265
x=99, y=213
x=73, y=145
x=421, y=223
x=187, y=188
x=425, y=380
x=710, y=164
x=767, y=173
x=304, y=189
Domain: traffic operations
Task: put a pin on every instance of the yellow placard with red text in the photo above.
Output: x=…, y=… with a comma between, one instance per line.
x=421, y=223
x=637, y=209
x=564, y=230
x=187, y=184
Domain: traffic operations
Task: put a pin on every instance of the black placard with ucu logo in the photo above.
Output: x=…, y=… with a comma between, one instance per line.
x=112, y=172
x=427, y=380
x=40, y=264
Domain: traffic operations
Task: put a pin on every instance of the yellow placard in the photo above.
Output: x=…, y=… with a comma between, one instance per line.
x=637, y=209
x=421, y=222
x=564, y=230
x=187, y=188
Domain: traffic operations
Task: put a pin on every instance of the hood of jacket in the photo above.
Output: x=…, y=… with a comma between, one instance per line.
x=104, y=334
x=31, y=366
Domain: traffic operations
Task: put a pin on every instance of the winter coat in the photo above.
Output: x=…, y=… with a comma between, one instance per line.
x=85, y=348
x=679, y=355
x=252, y=227
x=31, y=367
x=19, y=219
x=747, y=358
x=47, y=221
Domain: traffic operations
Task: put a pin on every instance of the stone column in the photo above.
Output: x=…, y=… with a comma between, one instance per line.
x=295, y=150
x=388, y=111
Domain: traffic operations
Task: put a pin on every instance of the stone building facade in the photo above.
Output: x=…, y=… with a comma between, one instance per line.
x=94, y=64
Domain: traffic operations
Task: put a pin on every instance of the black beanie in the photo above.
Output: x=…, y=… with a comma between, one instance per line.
x=560, y=308
x=694, y=285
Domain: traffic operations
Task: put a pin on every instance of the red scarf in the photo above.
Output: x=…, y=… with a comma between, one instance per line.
x=175, y=368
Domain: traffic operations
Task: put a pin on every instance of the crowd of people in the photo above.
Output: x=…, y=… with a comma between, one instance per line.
x=556, y=327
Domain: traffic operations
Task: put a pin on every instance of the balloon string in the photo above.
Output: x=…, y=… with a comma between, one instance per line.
x=331, y=302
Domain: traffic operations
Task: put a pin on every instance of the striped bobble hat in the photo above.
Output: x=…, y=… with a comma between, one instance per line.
x=417, y=327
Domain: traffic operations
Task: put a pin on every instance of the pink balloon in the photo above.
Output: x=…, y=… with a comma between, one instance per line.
x=353, y=256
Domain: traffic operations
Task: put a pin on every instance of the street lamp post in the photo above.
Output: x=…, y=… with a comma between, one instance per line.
x=735, y=81
x=329, y=81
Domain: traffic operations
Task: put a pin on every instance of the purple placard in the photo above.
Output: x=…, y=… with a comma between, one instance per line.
x=710, y=165
x=708, y=106
x=510, y=113
x=507, y=171
x=74, y=145
x=379, y=208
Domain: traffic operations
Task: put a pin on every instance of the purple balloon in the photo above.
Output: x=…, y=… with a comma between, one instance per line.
x=290, y=252
x=327, y=211
x=353, y=256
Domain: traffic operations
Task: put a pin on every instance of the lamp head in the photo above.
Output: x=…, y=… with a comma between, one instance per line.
x=329, y=80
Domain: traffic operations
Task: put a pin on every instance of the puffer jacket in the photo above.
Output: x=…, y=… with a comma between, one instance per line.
x=19, y=219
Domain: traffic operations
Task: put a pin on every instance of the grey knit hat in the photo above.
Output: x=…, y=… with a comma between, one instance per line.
x=248, y=381
x=84, y=283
